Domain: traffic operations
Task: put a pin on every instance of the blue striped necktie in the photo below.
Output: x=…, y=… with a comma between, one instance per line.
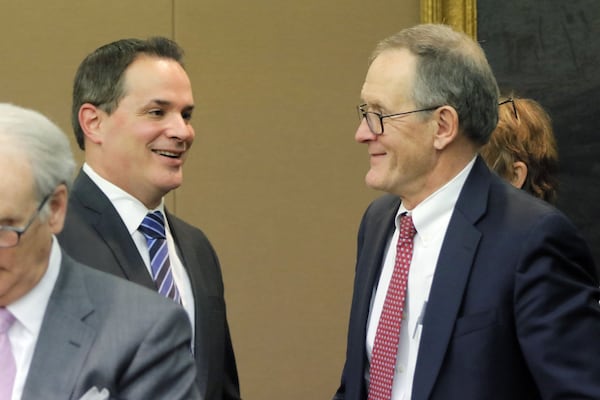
x=153, y=228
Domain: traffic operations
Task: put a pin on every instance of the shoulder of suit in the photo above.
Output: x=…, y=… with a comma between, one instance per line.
x=180, y=226
x=103, y=287
x=384, y=203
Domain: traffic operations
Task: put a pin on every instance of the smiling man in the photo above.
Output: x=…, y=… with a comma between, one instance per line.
x=465, y=287
x=68, y=331
x=131, y=112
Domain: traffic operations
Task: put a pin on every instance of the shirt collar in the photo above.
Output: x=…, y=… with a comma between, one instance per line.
x=131, y=210
x=29, y=310
x=435, y=211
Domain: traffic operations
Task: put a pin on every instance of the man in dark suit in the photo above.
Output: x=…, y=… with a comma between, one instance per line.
x=68, y=331
x=465, y=287
x=131, y=112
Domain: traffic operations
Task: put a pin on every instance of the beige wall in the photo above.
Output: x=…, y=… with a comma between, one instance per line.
x=274, y=178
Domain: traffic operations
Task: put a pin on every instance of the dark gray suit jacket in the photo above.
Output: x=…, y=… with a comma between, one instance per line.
x=95, y=234
x=105, y=332
x=513, y=310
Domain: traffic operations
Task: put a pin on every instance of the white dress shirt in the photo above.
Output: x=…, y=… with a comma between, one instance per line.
x=29, y=313
x=431, y=218
x=132, y=212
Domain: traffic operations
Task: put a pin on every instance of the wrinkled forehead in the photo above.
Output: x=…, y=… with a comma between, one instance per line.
x=390, y=78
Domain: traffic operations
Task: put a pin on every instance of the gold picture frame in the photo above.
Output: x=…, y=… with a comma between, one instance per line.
x=460, y=14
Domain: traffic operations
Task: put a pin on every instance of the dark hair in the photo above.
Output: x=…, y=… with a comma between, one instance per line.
x=451, y=69
x=99, y=78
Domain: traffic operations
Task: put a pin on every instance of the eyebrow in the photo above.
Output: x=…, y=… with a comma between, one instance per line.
x=374, y=106
x=166, y=103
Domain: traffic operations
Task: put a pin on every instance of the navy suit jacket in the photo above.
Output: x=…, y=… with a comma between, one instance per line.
x=513, y=310
x=95, y=234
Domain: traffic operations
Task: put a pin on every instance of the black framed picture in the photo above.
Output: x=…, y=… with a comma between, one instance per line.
x=548, y=50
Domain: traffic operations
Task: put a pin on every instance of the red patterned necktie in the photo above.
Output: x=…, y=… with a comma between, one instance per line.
x=385, y=348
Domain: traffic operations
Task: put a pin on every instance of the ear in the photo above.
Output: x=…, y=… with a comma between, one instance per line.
x=58, y=208
x=90, y=118
x=447, y=127
x=519, y=174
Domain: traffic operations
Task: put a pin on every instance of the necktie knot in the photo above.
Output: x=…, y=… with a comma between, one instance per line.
x=153, y=225
x=6, y=320
x=407, y=228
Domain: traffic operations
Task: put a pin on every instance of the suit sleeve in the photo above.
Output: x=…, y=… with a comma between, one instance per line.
x=162, y=367
x=557, y=311
x=231, y=386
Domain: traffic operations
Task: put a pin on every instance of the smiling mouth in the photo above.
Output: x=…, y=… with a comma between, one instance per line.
x=169, y=154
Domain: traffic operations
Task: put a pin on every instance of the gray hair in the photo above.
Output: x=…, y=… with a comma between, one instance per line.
x=44, y=144
x=451, y=69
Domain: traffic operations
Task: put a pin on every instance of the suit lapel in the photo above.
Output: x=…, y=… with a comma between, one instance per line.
x=451, y=276
x=373, y=237
x=188, y=255
x=372, y=255
x=117, y=238
x=110, y=227
x=65, y=338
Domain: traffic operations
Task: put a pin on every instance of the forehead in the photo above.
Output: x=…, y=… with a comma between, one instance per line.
x=149, y=76
x=390, y=78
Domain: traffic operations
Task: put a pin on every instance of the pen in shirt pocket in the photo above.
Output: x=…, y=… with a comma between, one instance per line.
x=420, y=319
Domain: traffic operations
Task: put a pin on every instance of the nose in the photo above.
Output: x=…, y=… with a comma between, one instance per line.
x=181, y=129
x=363, y=133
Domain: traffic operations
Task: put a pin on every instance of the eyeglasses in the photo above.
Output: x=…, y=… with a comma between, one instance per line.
x=514, y=107
x=375, y=119
x=10, y=236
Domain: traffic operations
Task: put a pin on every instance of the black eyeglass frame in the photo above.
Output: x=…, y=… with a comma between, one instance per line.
x=362, y=113
x=514, y=106
x=21, y=231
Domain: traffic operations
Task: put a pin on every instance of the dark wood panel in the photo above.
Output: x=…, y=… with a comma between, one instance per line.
x=549, y=50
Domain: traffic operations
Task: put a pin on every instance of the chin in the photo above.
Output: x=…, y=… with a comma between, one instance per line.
x=173, y=186
x=374, y=182
x=168, y=186
x=170, y=181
